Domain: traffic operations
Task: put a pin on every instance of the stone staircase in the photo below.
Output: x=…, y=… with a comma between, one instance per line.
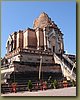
x=66, y=69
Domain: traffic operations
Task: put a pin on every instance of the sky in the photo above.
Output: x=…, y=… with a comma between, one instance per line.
x=21, y=15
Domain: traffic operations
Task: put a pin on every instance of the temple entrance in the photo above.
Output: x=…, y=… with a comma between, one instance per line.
x=53, y=48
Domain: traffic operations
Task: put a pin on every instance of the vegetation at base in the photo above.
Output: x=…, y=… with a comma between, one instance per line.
x=73, y=83
x=54, y=84
x=29, y=85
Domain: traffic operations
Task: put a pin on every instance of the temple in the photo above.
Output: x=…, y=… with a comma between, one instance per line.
x=37, y=53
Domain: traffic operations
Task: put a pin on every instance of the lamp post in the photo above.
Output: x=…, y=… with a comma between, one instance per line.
x=40, y=67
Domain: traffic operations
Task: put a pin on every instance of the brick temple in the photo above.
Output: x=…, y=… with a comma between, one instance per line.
x=37, y=53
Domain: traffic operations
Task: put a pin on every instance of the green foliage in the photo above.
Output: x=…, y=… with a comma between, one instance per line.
x=54, y=84
x=29, y=85
x=73, y=83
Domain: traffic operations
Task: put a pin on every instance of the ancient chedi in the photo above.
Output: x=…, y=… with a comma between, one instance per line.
x=30, y=49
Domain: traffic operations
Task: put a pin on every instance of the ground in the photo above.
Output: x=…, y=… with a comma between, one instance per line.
x=70, y=91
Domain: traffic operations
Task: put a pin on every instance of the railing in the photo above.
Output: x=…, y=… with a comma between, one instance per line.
x=9, y=88
x=7, y=70
x=65, y=68
x=67, y=58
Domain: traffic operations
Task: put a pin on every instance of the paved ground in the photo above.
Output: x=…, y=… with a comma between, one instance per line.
x=70, y=91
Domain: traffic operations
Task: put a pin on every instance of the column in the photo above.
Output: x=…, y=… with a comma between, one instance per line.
x=44, y=30
x=38, y=38
x=26, y=39
x=47, y=44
